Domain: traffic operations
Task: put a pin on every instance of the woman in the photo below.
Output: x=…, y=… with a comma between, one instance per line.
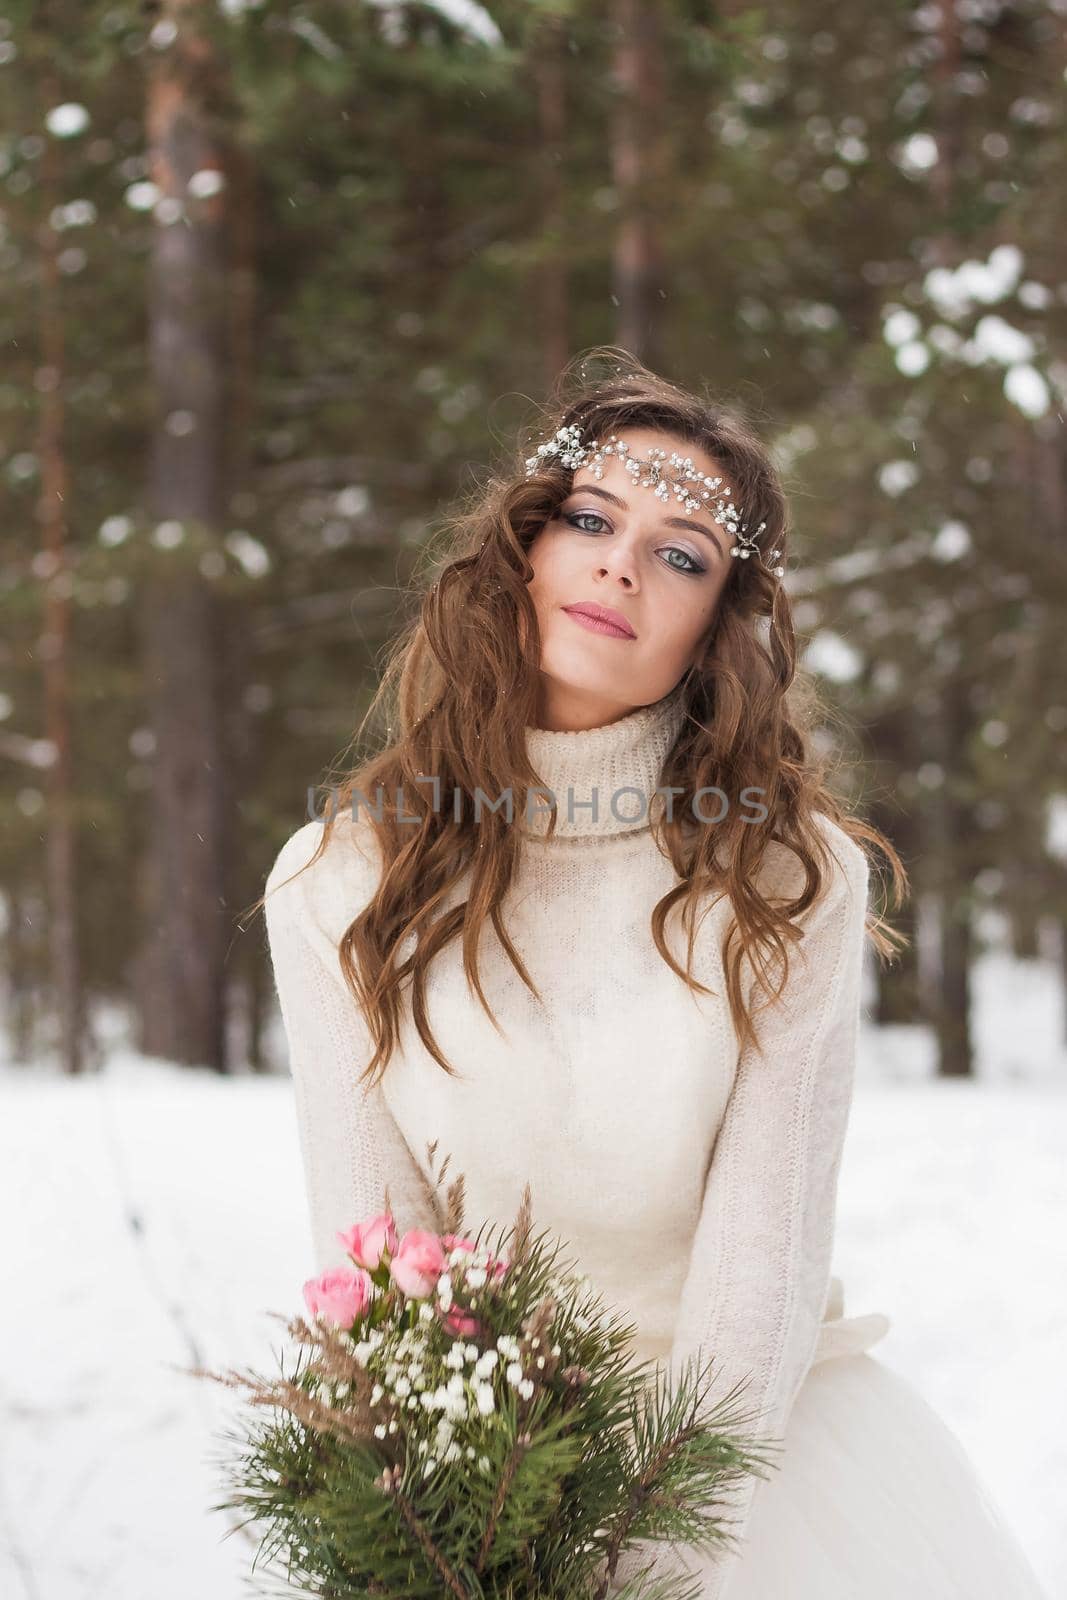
x=637, y=985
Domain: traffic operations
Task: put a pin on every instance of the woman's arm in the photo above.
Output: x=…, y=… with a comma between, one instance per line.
x=759, y=1272
x=350, y=1144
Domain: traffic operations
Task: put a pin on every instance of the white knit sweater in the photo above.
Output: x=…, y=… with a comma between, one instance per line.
x=693, y=1183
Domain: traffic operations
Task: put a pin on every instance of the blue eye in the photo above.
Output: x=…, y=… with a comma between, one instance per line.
x=693, y=570
x=575, y=515
x=677, y=550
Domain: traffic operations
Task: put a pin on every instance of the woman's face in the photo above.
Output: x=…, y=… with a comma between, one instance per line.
x=615, y=544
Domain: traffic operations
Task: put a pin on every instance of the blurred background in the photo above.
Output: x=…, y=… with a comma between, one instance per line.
x=278, y=282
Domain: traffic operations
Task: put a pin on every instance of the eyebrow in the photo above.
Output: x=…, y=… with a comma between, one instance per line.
x=669, y=522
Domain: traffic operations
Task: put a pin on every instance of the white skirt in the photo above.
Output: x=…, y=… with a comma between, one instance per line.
x=873, y=1497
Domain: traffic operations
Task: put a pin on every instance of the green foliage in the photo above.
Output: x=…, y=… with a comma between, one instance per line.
x=603, y=1453
x=390, y=224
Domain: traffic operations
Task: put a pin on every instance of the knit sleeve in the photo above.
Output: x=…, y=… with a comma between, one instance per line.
x=759, y=1273
x=350, y=1144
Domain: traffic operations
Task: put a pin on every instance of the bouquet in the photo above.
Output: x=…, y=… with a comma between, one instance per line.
x=462, y=1419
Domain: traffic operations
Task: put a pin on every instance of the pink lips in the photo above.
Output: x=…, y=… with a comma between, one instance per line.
x=601, y=619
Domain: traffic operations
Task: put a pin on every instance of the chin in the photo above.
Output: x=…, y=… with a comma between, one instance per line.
x=571, y=671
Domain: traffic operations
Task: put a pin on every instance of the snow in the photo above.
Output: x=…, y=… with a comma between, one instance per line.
x=899, y=325
x=156, y=1219
x=896, y=476
x=952, y=541
x=1025, y=387
x=912, y=358
x=67, y=120
x=918, y=153
x=833, y=657
x=956, y=291
x=471, y=19
x=999, y=341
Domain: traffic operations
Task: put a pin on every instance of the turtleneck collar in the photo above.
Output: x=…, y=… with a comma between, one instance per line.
x=605, y=764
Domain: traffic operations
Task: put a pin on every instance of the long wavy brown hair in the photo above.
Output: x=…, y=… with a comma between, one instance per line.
x=460, y=688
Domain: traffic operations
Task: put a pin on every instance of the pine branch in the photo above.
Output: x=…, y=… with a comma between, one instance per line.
x=511, y=1466
x=391, y=1482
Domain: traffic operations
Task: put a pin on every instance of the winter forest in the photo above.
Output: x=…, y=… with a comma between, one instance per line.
x=280, y=280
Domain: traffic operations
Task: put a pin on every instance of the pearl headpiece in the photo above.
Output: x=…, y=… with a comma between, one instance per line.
x=678, y=473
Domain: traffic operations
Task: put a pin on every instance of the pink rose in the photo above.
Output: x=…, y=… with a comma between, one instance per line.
x=459, y=1322
x=417, y=1263
x=365, y=1241
x=340, y=1295
x=455, y=1241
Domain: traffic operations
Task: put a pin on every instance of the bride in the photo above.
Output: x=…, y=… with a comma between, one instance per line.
x=599, y=857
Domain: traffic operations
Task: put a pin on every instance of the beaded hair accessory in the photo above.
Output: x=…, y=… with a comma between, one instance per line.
x=679, y=472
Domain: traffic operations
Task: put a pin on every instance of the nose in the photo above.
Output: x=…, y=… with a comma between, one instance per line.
x=618, y=560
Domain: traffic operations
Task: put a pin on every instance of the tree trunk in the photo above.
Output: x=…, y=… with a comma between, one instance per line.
x=55, y=641
x=258, y=991
x=950, y=826
x=181, y=618
x=954, y=822
x=548, y=44
x=638, y=162
x=898, y=986
x=21, y=968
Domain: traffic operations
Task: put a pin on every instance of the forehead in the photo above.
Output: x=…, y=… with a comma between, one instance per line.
x=640, y=442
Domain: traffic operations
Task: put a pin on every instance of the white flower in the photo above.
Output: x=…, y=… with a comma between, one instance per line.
x=514, y=1372
x=453, y=1453
x=483, y=1462
x=485, y=1398
x=457, y=1384
x=526, y=1388
x=379, y=1432
x=376, y=1394
x=403, y=1386
x=485, y=1363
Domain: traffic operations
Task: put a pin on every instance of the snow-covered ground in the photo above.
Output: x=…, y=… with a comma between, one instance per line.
x=154, y=1216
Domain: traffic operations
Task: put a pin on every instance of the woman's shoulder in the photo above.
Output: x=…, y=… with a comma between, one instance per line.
x=850, y=857
x=325, y=874
x=781, y=872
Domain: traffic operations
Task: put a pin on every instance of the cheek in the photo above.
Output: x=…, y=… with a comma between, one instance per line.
x=695, y=619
